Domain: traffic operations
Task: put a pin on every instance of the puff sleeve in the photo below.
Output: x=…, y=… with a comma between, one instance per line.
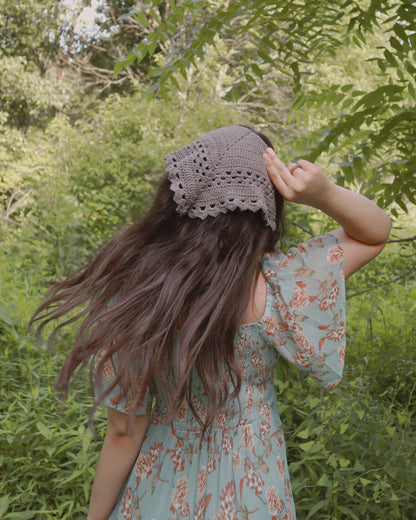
x=305, y=310
x=109, y=368
x=116, y=398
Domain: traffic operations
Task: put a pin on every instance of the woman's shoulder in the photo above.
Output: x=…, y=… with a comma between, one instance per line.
x=311, y=254
x=282, y=272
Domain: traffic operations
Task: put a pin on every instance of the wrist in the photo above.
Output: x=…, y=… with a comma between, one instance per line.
x=327, y=198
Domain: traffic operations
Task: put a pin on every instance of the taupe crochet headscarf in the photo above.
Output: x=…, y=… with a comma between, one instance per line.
x=223, y=170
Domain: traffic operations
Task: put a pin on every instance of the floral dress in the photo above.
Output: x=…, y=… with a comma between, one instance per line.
x=239, y=470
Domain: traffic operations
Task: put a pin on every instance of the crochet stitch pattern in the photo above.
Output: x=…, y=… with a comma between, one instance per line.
x=221, y=171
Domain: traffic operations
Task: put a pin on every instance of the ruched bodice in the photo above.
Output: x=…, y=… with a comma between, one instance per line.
x=238, y=470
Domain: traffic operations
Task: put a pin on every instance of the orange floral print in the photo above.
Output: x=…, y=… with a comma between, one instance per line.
x=180, y=493
x=335, y=254
x=275, y=504
x=239, y=470
x=247, y=438
x=202, y=481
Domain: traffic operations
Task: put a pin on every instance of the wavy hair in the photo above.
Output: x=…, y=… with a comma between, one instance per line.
x=166, y=273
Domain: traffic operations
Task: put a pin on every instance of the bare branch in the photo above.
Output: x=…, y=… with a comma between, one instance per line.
x=10, y=201
x=12, y=221
x=393, y=240
x=303, y=229
x=8, y=219
x=12, y=207
x=389, y=282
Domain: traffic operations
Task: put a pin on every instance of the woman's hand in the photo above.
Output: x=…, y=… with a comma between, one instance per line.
x=365, y=226
x=302, y=182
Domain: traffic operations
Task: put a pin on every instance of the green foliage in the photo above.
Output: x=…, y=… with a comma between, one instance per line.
x=114, y=36
x=352, y=460
x=62, y=204
x=27, y=97
x=190, y=27
x=68, y=203
x=30, y=29
x=368, y=130
x=328, y=79
x=46, y=450
x=351, y=450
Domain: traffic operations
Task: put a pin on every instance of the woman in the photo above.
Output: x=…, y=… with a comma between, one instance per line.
x=191, y=309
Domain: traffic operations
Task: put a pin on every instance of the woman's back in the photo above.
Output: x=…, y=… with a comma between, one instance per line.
x=238, y=468
x=185, y=351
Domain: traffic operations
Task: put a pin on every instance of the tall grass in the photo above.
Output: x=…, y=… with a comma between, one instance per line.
x=351, y=451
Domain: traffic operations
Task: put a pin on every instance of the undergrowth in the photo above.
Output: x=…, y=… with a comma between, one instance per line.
x=351, y=451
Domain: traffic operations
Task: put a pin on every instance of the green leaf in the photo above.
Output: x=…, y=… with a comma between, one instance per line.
x=124, y=63
x=313, y=402
x=346, y=511
x=175, y=82
x=401, y=33
x=44, y=430
x=405, y=208
x=319, y=505
x=343, y=428
x=390, y=58
x=127, y=15
x=5, y=314
x=22, y=515
x=344, y=462
x=410, y=68
x=142, y=18
x=256, y=69
x=391, y=430
x=155, y=15
x=4, y=504
x=378, y=95
x=324, y=481
x=266, y=57
x=306, y=446
x=394, y=42
x=358, y=466
x=235, y=94
x=164, y=93
x=402, y=416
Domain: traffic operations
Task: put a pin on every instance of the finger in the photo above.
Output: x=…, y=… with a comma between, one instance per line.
x=292, y=167
x=278, y=165
x=273, y=161
x=306, y=165
x=296, y=170
x=273, y=171
x=285, y=183
x=291, y=175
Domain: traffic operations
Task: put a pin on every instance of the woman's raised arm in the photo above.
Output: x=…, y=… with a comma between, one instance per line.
x=365, y=226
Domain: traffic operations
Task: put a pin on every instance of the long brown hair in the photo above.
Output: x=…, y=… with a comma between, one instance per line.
x=165, y=273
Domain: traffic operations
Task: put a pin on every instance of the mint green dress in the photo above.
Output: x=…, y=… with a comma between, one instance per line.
x=239, y=471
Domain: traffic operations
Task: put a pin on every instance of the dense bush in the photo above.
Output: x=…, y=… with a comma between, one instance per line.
x=351, y=451
x=46, y=451
x=75, y=164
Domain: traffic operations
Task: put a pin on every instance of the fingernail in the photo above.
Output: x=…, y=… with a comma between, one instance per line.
x=271, y=152
x=266, y=157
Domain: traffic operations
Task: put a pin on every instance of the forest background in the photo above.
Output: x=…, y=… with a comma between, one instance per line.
x=81, y=151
